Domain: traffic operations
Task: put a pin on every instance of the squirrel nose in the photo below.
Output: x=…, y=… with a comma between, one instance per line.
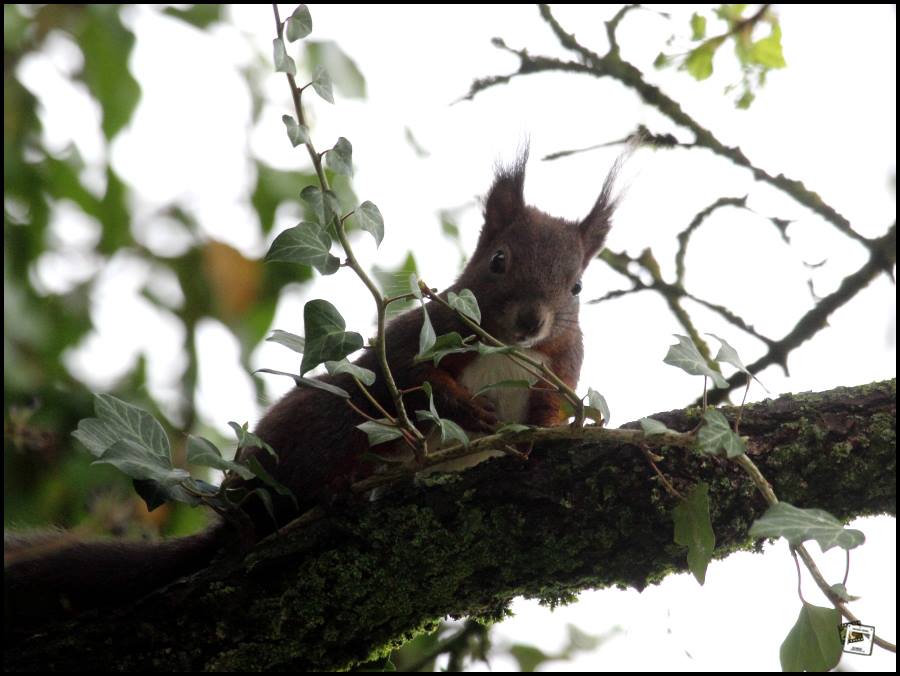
x=529, y=322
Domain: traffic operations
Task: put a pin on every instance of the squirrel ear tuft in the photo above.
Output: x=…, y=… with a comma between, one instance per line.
x=506, y=199
x=595, y=226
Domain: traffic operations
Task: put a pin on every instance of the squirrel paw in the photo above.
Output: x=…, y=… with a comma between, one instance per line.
x=478, y=414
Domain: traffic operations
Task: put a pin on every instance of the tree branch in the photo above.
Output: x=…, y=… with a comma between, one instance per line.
x=347, y=588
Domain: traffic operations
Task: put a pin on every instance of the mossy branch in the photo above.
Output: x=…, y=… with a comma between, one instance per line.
x=578, y=514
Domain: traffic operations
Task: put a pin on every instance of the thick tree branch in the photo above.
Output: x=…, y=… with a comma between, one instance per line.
x=575, y=515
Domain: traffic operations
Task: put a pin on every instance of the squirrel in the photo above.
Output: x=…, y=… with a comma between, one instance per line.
x=525, y=274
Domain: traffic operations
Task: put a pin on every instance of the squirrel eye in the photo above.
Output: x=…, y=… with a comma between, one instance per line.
x=498, y=263
x=577, y=288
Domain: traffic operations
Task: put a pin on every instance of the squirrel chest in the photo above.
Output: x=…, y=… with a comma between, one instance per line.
x=511, y=403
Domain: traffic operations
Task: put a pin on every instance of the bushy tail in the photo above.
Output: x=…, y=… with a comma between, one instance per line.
x=53, y=575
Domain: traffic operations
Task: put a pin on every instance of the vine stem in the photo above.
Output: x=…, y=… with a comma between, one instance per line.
x=766, y=489
x=405, y=423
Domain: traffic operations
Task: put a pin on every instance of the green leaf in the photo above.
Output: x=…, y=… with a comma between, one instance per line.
x=528, y=657
x=393, y=282
x=449, y=343
x=699, y=61
x=716, y=434
x=484, y=349
x=283, y=63
x=521, y=384
x=448, y=428
x=297, y=133
x=198, y=15
x=651, y=427
x=466, y=304
x=662, y=61
x=301, y=381
x=132, y=458
x=729, y=355
x=813, y=643
x=306, y=244
x=746, y=100
x=798, y=525
x=155, y=494
x=427, y=337
x=325, y=207
x=326, y=339
x=299, y=24
x=247, y=439
x=694, y=530
x=266, y=498
x=340, y=158
x=379, y=432
x=767, y=52
x=698, y=27
x=295, y=342
x=513, y=427
x=263, y=475
x=686, y=357
x=363, y=375
x=597, y=403
x=95, y=435
x=203, y=452
x=369, y=218
x=414, y=285
x=321, y=82
x=347, y=79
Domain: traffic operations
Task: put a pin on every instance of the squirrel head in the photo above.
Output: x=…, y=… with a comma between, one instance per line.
x=526, y=269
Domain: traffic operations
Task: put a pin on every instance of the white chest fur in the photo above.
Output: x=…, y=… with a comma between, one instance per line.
x=511, y=403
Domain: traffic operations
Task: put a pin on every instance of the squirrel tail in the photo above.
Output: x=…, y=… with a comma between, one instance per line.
x=51, y=575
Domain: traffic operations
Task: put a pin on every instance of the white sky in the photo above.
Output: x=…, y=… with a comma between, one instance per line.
x=829, y=119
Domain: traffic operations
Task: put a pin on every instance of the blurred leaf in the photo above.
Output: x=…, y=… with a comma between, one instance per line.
x=651, y=427
x=106, y=44
x=347, y=77
x=395, y=282
x=369, y=218
x=813, y=643
x=314, y=383
x=203, y=452
x=698, y=26
x=199, y=15
x=296, y=343
x=340, y=158
x=234, y=281
x=380, y=432
x=297, y=133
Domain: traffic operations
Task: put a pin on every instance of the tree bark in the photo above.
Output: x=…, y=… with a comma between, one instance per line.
x=351, y=586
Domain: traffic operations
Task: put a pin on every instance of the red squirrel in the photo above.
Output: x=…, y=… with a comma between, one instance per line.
x=525, y=274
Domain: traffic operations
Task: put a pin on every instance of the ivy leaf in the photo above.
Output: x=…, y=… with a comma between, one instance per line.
x=813, y=644
x=484, y=349
x=380, y=431
x=465, y=303
x=299, y=24
x=798, y=525
x=155, y=494
x=340, y=158
x=297, y=133
x=294, y=342
x=301, y=381
x=363, y=375
x=321, y=82
x=369, y=218
x=597, y=405
x=448, y=428
x=247, y=439
x=132, y=458
x=283, y=63
x=686, y=357
x=448, y=343
x=427, y=337
x=519, y=384
x=326, y=339
x=306, y=244
x=694, y=530
x=729, y=355
x=651, y=427
x=716, y=434
x=263, y=475
x=326, y=206
x=843, y=594
x=203, y=452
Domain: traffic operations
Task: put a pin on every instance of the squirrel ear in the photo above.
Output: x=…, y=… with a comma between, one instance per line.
x=506, y=199
x=594, y=228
